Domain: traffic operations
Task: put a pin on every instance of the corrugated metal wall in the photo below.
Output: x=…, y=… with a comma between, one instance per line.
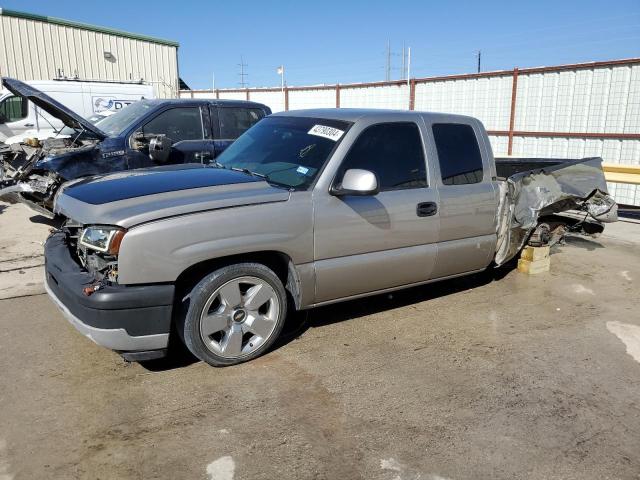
x=374, y=96
x=274, y=98
x=488, y=99
x=567, y=111
x=41, y=48
x=603, y=100
x=316, y=98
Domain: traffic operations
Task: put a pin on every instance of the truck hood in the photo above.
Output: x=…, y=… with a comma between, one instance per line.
x=140, y=196
x=51, y=106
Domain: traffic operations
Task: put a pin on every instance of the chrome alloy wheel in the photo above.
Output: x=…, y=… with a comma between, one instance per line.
x=239, y=317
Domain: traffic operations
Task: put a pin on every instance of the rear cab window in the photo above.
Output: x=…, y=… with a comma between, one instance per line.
x=459, y=154
x=234, y=121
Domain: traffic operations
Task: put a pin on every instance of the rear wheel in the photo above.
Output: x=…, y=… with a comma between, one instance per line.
x=234, y=314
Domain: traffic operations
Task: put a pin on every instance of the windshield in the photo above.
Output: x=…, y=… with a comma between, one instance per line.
x=117, y=123
x=95, y=118
x=289, y=151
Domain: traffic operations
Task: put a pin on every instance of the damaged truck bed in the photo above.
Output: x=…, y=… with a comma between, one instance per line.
x=542, y=198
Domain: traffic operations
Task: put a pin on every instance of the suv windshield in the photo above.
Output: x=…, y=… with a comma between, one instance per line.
x=289, y=151
x=117, y=123
x=95, y=118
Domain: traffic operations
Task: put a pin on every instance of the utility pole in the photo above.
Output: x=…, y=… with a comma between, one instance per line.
x=242, y=82
x=388, y=69
x=404, y=66
x=479, y=58
x=280, y=72
x=409, y=79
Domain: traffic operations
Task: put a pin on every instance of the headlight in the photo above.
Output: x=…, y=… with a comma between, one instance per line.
x=102, y=239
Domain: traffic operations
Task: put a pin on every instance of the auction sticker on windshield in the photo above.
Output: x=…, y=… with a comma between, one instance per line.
x=326, y=132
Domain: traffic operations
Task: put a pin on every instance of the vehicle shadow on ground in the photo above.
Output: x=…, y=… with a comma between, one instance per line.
x=582, y=242
x=55, y=222
x=6, y=201
x=177, y=357
x=299, y=322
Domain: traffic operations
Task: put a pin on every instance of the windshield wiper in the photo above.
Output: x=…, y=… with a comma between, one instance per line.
x=215, y=164
x=249, y=172
x=260, y=175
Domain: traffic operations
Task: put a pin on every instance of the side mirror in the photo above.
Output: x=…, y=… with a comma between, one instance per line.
x=357, y=182
x=160, y=148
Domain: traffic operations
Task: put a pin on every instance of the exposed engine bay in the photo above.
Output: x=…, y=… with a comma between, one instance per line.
x=25, y=174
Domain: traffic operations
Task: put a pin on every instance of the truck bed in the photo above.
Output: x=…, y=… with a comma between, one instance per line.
x=509, y=166
x=532, y=189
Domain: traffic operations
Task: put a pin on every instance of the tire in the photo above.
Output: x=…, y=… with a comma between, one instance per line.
x=234, y=314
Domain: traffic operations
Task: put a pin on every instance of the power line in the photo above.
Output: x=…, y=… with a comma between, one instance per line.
x=242, y=74
x=506, y=51
x=532, y=42
x=389, y=67
x=530, y=35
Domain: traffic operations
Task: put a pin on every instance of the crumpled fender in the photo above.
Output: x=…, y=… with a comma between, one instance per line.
x=527, y=196
x=81, y=162
x=20, y=187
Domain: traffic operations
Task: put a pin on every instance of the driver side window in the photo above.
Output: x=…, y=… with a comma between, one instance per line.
x=394, y=152
x=178, y=124
x=13, y=109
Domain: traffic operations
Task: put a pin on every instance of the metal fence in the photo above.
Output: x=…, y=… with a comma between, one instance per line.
x=564, y=111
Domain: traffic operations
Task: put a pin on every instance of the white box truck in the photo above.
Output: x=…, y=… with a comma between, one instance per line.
x=19, y=118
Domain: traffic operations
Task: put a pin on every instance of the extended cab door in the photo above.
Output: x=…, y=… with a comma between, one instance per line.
x=369, y=243
x=468, y=199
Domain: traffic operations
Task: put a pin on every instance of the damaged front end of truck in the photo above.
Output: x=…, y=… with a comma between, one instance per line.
x=32, y=171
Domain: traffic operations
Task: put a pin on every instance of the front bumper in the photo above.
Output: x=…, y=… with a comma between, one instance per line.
x=122, y=318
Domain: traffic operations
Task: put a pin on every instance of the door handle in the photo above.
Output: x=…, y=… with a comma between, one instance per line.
x=426, y=209
x=203, y=157
x=28, y=124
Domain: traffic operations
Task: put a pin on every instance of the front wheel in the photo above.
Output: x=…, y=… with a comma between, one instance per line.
x=234, y=314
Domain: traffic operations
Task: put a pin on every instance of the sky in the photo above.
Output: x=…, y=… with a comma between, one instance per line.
x=346, y=41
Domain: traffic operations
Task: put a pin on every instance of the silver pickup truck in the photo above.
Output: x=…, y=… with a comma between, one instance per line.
x=304, y=209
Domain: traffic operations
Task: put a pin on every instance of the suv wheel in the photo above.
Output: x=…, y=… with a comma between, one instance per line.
x=234, y=314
